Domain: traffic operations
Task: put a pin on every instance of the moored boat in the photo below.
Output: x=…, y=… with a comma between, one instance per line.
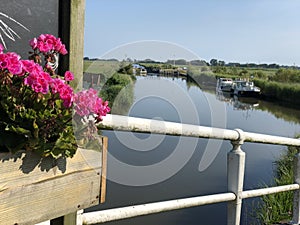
x=245, y=88
x=143, y=72
x=224, y=84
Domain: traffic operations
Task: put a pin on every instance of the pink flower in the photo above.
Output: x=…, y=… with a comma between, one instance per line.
x=62, y=50
x=1, y=48
x=69, y=76
x=88, y=103
x=11, y=62
x=65, y=92
x=33, y=43
x=3, y=61
x=29, y=66
x=57, y=85
x=67, y=95
x=39, y=82
x=48, y=43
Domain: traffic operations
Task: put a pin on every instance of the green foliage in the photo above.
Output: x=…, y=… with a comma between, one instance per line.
x=128, y=69
x=118, y=90
x=243, y=73
x=155, y=67
x=119, y=79
x=34, y=122
x=287, y=76
x=289, y=92
x=260, y=75
x=278, y=207
x=219, y=69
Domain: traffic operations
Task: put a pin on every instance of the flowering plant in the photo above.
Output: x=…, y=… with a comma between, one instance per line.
x=38, y=108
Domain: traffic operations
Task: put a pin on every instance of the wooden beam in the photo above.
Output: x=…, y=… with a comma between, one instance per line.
x=71, y=31
x=104, y=169
x=33, y=191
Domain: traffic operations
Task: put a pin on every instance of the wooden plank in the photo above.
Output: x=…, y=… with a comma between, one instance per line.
x=49, y=199
x=33, y=190
x=22, y=169
x=104, y=169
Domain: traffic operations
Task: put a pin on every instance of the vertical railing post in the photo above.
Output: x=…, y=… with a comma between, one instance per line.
x=235, y=179
x=296, y=202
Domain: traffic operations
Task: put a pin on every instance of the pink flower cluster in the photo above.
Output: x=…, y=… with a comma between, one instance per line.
x=88, y=103
x=10, y=61
x=64, y=90
x=39, y=82
x=47, y=43
x=85, y=103
x=42, y=82
x=35, y=77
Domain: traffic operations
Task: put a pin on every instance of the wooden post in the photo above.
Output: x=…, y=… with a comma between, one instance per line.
x=235, y=177
x=71, y=31
x=296, y=203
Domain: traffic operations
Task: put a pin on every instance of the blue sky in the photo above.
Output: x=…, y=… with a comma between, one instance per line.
x=259, y=31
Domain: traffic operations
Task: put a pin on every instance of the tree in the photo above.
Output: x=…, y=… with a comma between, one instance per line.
x=213, y=62
x=221, y=63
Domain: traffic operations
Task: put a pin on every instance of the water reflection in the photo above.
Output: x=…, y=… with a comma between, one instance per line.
x=238, y=103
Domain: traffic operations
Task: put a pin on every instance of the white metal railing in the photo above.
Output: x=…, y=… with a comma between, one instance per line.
x=235, y=170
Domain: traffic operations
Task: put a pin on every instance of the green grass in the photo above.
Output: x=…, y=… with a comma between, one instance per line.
x=288, y=92
x=107, y=68
x=118, y=91
x=278, y=207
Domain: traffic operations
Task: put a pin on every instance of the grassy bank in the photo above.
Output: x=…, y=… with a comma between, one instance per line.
x=118, y=91
x=287, y=92
x=276, y=208
x=276, y=84
x=116, y=85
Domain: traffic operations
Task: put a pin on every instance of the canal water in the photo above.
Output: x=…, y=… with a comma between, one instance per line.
x=148, y=167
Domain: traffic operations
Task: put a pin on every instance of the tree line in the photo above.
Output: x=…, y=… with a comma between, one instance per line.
x=212, y=62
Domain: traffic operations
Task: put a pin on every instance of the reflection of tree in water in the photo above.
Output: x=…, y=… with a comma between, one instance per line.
x=288, y=113
x=6, y=30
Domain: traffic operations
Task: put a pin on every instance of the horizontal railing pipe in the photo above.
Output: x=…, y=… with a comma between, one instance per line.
x=125, y=123
x=270, y=190
x=151, y=208
x=270, y=139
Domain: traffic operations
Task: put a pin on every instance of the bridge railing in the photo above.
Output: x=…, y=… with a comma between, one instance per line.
x=235, y=170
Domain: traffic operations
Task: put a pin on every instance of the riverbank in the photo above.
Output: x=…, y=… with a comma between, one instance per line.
x=275, y=84
x=277, y=208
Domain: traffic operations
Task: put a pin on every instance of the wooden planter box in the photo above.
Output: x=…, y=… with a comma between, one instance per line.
x=34, y=190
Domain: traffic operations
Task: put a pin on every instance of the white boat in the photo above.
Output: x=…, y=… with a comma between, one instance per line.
x=143, y=72
x=224, y=84
x=245, y=88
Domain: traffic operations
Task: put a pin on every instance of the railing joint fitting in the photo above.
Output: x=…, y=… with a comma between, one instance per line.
x=240, y=139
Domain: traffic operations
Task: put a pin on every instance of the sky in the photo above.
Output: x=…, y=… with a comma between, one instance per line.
x=248, y=31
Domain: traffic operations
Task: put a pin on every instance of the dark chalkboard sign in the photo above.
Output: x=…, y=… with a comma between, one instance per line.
x=20, y=21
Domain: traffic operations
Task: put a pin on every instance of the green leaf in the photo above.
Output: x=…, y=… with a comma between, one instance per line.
x=18, y=130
